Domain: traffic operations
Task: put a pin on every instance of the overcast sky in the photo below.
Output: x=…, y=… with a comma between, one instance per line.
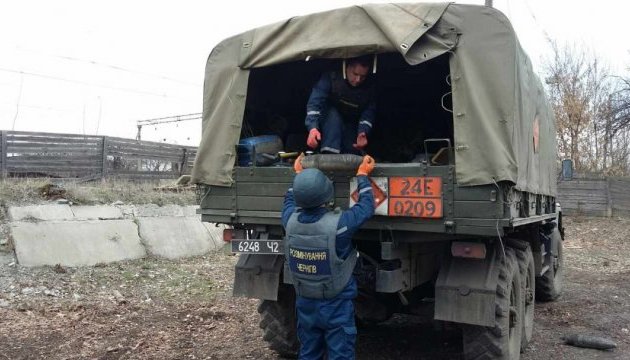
x=96, y=67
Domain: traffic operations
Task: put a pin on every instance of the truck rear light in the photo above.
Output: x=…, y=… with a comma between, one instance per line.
x=468, y=250
x=230, y=234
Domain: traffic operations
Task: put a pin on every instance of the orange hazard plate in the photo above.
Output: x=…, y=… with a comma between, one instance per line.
x=415, y=197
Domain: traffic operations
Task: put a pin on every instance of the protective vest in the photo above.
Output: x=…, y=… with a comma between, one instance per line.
x=311, y=257
x=348, y=100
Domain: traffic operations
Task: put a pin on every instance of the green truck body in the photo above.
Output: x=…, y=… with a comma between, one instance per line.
x=497, y=243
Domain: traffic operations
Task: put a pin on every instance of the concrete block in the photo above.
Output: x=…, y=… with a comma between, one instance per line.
x=191, y=210
x=76, y=243
x=153, y=210
x=175, y=237
x=41, y=212
x=96, y=212
x=6, y=258
x=216, y=233
x=128, y=211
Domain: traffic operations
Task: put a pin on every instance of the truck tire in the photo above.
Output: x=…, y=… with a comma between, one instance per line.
x=525, y=260
x=503, y=340
x=549, y=285
x=279, y=323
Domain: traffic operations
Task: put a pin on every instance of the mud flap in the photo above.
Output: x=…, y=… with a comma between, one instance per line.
x=465, y=290
x=258, y=276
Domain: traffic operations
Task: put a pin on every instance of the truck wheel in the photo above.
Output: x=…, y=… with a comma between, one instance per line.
x=279, y=323
x=503, y=340
x=549, y=285
x=525, y=260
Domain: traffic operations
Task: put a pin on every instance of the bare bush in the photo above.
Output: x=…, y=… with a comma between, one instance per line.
x=592, y=110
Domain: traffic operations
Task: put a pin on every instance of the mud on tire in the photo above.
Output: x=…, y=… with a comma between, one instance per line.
x=525, y=260
x=278, y=322
x=549, y=285
x=503, y=340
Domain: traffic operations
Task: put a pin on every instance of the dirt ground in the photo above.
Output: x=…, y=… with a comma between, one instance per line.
x=159, y=309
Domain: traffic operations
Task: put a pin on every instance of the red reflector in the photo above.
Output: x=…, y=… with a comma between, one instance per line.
x=228, y=235
x=231, y=234
x=468, y=250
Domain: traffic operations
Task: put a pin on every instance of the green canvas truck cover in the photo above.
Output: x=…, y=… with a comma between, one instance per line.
x=498, y=102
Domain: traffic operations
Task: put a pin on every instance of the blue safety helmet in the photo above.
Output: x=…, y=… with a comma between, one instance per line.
x=311, y=188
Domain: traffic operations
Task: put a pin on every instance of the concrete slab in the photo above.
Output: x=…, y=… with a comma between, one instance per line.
x=40, y=212
x=96, y=212
x=6, y=258
x=175, y=237
x=191, y=210
x=128, y=211
x=75, y=243
x=216, y=233
x=153, y=210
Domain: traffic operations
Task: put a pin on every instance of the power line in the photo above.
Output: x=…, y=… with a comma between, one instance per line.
x=164, y=120
x=38, y=107
x=114, y=67
x=51, y=77
x=168, y=119
x=540, y=27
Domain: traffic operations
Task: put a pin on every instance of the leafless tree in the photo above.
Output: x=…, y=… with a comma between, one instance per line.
x=592, y=110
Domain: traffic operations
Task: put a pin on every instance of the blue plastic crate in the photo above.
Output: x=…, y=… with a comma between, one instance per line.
x=259, y=145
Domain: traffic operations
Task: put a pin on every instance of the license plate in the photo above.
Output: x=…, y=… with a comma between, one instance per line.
x=257, y=246
x=415, y=197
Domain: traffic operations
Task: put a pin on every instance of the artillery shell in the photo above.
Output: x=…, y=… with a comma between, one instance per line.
x=332, y=162
x=587, y=341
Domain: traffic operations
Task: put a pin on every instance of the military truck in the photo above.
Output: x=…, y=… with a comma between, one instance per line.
x=467, y=228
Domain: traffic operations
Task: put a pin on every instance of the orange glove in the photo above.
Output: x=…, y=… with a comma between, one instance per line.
x=297, y=165
x=361, y=141
x=313, y=138
x=366, y=166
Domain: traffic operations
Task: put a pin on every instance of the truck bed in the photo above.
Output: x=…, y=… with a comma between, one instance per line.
x=257, y=194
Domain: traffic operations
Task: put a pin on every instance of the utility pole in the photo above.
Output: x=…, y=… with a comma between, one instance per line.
x=100, y=113
x=164, y=120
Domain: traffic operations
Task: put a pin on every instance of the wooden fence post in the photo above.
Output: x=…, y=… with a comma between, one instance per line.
x=609, y=201
x=104, y=161
x=3, y=154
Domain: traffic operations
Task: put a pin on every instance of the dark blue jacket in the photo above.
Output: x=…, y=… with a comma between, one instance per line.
x=349, y=222
x=320, y=100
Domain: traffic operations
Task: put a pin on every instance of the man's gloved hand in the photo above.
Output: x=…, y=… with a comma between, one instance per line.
x=314, y=137
x=297, y=165
x=361, y=141
x=366, y=166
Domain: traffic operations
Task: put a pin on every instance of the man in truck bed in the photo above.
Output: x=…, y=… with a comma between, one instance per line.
x=321, y=259
x=342, y=106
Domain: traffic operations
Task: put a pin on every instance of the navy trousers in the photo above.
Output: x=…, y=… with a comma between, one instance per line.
x=338, y=134
x=326, y=326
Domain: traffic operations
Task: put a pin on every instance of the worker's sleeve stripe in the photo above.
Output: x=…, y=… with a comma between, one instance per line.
x=365, y=189
x=342, y=230
x=332, y=150
x=290, y=189
x=366, y=123
x=312, y=112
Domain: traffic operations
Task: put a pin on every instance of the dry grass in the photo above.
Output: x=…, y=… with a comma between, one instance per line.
x=36, y=191
x=598, y=245
x=155, y=308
